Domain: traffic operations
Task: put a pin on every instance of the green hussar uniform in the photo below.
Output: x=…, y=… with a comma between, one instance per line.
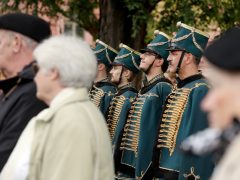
x=182, y=116
x=103, y=91
x=144, y=117
x=101, y=94
x=121, y=103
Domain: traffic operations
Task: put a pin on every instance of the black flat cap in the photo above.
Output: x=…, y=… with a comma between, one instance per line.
x=224, y=52
x=28, y=25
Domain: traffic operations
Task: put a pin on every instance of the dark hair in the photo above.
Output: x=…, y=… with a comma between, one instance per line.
x=108, y=68
x=197, y=60
x=165, y=65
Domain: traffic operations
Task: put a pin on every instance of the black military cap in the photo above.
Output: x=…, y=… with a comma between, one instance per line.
x=224, y=52
x=28, y=25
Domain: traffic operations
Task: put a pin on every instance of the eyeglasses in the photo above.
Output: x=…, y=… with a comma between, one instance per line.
x=35, y=67
x=150, y=54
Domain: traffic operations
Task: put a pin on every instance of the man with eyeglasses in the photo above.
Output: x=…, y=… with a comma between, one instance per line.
x=144, y=116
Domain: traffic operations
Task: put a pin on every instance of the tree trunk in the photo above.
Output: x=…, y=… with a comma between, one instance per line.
x=116, y=25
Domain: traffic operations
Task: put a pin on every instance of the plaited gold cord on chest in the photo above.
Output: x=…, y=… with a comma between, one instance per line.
x=132, y=127
x=115, y=109
x=96, y=95
x=172, y=116
x=171, y=119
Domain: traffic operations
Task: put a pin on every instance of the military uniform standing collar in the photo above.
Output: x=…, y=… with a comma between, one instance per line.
x=103, y=82
x=181, y=83
x=124, y=88
x=158, y=78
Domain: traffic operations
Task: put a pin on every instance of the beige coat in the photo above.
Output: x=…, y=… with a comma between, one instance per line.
x=229, y=166
x=70, y=142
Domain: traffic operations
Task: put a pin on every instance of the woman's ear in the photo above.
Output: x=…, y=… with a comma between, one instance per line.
x=54, y=74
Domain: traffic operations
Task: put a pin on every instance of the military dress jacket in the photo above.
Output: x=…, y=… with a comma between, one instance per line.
x=182, y=116
x=18, y=104
x=118, y=111
x=142, y=124
x=101, y=94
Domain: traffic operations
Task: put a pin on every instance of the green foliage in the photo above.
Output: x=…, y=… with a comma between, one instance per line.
x=80, y=11
x=162, y=15
x=197, y=13
x=139, y=12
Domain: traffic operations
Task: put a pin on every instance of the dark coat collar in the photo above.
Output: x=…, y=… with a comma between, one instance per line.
x=128, y=87
x=187, y=80
x=26, y=75
x=103, y=83
x=153, y=83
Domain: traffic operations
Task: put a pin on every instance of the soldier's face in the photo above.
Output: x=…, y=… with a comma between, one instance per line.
x=115, y=74
x=223, y=99
x=147, y=59
x=173, y=59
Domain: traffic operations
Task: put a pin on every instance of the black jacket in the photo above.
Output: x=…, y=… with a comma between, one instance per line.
x=18, y=104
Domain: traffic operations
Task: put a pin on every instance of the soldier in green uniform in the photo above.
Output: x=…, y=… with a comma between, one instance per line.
x=125, y=69
x=182, y=115
x=144, y=117
x=103, y=90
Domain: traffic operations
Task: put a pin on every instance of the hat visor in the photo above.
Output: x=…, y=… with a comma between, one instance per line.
x=149, y=50
x=121, y=64
x=117, y=64
x=175, y=48
x=144, y=50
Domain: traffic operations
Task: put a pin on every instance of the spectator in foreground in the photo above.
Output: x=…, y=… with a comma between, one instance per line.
x=19, y=36
x=69, y=140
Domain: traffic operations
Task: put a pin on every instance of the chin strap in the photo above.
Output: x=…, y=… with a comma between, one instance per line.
x=180, y=62
x=120, y=77
x=150, y=66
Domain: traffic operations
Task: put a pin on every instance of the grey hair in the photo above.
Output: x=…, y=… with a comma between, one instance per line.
x=71, y=56
x=30, y=43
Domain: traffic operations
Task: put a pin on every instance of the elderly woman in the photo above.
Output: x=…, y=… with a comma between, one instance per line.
x=69, y=140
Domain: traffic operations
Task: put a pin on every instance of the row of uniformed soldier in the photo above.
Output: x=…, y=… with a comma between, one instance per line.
x=147, y=127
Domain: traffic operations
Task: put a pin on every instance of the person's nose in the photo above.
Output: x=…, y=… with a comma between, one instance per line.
x=169, y=58
x=111, y=72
